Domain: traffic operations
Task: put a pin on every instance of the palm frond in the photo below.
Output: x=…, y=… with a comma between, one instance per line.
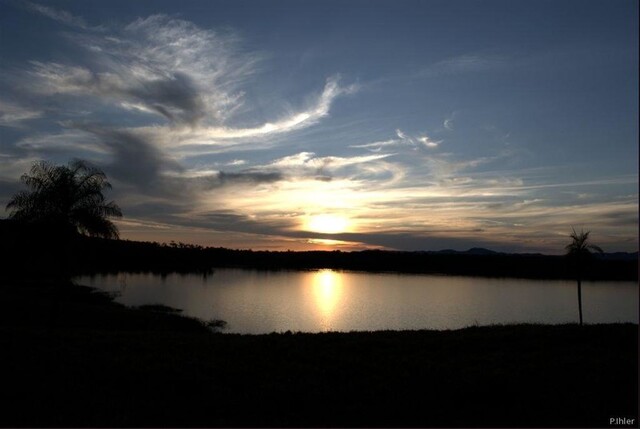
x=595, y=248
x=72, y=194
x=580, y=244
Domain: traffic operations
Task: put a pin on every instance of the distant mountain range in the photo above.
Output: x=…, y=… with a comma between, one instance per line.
x=619, y=256
x=614, y=256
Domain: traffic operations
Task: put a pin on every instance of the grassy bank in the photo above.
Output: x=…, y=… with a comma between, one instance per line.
x=72, y=357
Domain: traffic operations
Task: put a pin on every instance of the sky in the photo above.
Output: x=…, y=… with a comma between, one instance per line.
x=335, y=125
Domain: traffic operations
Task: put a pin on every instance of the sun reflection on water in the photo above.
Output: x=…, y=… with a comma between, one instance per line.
x=327, y=290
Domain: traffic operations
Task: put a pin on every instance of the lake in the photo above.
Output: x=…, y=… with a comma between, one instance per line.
x=327, y=300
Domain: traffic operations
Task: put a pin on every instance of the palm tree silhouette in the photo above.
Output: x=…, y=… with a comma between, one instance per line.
x=64, y=202
x=69, y=197
x=580, y=250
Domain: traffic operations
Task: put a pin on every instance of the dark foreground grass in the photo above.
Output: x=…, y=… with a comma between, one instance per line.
x=82, y=360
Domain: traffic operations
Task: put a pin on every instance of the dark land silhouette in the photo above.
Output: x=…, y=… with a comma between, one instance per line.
x=107, y=365
x=35, y=248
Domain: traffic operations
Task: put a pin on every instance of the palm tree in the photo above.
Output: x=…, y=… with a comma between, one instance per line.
x=579, y=250
x=69, y=197
x=61, y=203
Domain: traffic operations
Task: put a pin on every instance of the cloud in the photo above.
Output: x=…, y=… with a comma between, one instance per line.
x=319, y=109
x=57, y=15
x=12, y=115
x=423, y=162
x=174, y=96
x=132, y=159
x=376, y=146
x=422, y=141
x=236, y=162
x=404, y=140
x=427, y=142
x=448, y=122
x=307, y=164
x=246, y=177
x=69, y=142
x=310, y=161
x=170, y=69
x=159, y=65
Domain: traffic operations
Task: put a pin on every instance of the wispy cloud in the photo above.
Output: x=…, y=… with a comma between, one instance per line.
x=448, y=121
x=319, y=109
x=57, y=15
x=419, y=141
x=171, y=69
x=376, y=146
x=160, y=65
x=12, y=115
x=71, y=141
x=310, y=165
x=427, y=142
x=404, y=140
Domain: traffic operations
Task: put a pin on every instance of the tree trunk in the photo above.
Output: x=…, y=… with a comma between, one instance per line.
x=580, y=299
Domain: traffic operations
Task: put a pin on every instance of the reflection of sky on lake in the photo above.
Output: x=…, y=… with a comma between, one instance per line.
x=328, y=300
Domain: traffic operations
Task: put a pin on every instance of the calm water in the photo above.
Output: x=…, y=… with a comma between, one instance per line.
x=312, y=301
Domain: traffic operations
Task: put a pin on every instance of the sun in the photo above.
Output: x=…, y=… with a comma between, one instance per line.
x=327, y=224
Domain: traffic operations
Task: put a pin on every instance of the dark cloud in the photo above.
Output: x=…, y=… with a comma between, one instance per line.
x=173, y=95
x=191, y=186
x=622, y=217
x=135, y=161
x=253, y=177
x=228, y=221
x=175, y=98
x=217, y=220
x=160, y=211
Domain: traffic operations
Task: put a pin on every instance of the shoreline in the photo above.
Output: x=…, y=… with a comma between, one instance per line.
x=340, y=270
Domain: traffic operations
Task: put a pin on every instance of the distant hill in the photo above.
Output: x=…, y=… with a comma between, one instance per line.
x=613, y=256
x=472, y=251
x=618, y=256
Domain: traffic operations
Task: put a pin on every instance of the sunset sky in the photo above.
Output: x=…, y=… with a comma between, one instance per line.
x=411, y=125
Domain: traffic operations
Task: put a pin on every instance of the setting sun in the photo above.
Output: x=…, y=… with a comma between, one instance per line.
x=327, y=224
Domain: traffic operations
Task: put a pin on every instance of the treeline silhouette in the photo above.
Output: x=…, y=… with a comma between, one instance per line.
x=34, y=250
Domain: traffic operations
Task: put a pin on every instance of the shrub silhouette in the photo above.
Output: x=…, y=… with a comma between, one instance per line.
x=579, y=250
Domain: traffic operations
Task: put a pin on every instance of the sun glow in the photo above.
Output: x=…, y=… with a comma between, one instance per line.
x=327, y=224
